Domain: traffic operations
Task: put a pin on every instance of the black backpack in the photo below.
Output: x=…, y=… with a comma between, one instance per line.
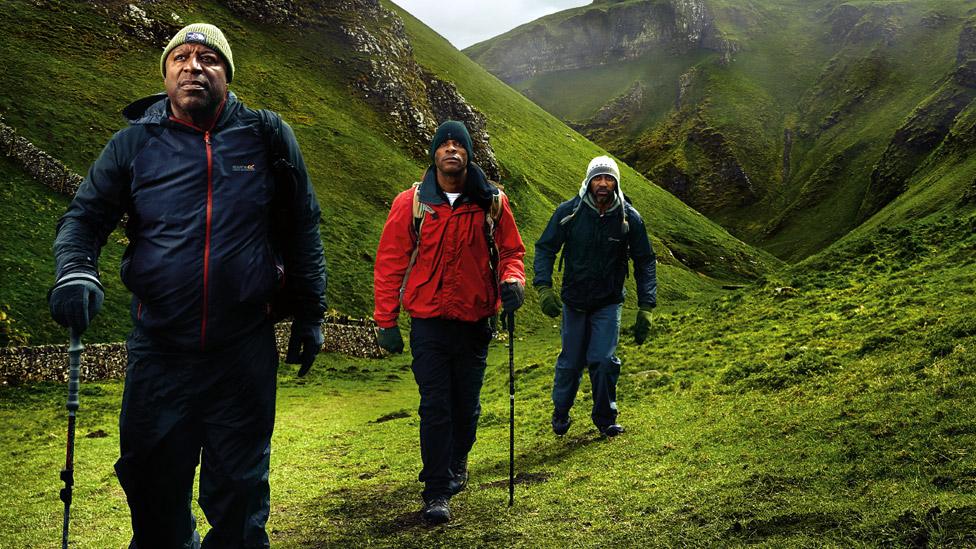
x=286, y=184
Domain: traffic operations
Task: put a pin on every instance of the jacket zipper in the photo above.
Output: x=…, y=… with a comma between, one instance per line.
x=206, y=246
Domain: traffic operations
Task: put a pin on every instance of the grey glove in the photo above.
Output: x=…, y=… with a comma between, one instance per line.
x=389, y=339
x=75, y=299
x=304, y=344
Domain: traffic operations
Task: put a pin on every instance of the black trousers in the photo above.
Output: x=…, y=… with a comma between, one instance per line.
x=183, y=408
x=449, y=367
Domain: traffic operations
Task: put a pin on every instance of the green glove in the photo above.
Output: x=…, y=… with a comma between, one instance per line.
x=549, y=302
x=642, y=326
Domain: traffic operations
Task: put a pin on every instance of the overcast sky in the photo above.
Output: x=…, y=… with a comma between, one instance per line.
x=467, y=22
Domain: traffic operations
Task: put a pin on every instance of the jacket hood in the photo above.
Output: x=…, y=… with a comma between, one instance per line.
x=154, y=109
x=477, y=187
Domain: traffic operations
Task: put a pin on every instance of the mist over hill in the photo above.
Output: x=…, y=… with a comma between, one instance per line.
x=788, y=122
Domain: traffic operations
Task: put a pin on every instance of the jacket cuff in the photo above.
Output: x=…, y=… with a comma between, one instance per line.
x=386, y=323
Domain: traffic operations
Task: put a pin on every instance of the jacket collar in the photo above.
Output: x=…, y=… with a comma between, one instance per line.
x=155, y=110
x=477, y=188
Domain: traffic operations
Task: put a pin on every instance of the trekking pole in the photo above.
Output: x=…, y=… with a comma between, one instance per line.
x=511, y=409
x=67, y=474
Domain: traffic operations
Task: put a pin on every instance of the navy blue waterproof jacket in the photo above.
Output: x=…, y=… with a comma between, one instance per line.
x=200, y=261
x=595, y=255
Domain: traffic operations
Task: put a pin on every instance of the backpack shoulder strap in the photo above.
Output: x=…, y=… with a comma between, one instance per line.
x=419, y=210
x=270, y=124
x=495, y=209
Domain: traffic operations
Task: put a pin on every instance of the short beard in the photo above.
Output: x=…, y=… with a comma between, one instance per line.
x=202, y=107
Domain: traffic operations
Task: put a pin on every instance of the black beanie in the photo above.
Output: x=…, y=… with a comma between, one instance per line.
x=451, y=129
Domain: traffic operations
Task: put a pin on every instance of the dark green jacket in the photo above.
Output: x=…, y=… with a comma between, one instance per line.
x=595, y=251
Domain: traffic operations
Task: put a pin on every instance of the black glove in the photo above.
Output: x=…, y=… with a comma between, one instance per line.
x=75, y=299
x=389, y=339
x=513, y=295
x=304, y=344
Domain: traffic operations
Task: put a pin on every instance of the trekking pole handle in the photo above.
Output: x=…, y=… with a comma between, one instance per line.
x=74, y=371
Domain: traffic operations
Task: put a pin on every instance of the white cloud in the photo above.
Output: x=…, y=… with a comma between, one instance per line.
x=467, y=22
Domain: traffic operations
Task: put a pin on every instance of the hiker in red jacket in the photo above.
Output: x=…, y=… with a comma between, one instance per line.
x=450, y=252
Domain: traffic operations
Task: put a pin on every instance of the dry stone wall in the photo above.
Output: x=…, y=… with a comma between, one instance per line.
x=43, y=167
x=101, y=361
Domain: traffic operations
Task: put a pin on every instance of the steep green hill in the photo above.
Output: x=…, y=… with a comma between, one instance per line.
x=788, y=122
x=357, y=159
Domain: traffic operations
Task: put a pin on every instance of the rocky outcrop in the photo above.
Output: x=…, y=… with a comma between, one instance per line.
x=615, y=117
x=158, y=30
x=729, y=185
x=716, y=181
x=926, y=128
x=787, y=153
x=685, y=83
x=101, y=361
x=275, y=12
x=967, y=42
x=864, y=24
x=601, y=33
x=391, y=80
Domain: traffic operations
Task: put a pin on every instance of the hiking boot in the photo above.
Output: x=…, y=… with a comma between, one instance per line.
x=612, y=430
x=560, y=423
x=436, y=511
x=459, y=480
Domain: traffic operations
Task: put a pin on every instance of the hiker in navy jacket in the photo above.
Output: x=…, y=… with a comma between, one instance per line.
x=222, y=222
x=598, y=232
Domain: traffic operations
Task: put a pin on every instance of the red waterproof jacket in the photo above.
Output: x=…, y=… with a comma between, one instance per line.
x=452, y=276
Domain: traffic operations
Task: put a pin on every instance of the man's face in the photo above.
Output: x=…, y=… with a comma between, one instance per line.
x=196, y=79
x=451, y=158
x=603, y=187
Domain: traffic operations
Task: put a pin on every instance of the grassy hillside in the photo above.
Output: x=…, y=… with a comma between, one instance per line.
x=804, y=108
x=356, y=168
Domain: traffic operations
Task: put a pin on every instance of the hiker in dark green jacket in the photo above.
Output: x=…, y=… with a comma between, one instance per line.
x=598, y=231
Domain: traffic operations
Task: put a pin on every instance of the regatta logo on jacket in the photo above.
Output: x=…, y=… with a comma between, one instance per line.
x=243, y=167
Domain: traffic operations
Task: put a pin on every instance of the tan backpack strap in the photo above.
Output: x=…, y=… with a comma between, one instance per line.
x=419, y=209
x=495, y=210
